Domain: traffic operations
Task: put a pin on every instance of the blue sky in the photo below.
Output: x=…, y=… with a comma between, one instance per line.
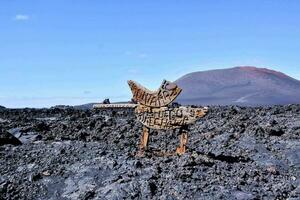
x=76, y=51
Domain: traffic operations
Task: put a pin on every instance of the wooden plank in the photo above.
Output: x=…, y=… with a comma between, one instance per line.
x=120, y=105
x=166, y=93
x=168, y=118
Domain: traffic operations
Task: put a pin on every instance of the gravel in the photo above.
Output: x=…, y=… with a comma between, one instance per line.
x=233, y=153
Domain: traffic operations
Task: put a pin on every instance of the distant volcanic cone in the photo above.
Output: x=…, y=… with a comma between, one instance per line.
x=248, y=86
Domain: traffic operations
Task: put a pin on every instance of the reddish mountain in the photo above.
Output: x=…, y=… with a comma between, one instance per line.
x=248, y=86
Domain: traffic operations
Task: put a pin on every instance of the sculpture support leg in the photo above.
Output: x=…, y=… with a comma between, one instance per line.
x=183, y=141
x=144, y=140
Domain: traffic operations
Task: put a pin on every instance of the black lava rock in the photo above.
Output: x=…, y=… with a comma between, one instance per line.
x=232, y=153
x=7, y=138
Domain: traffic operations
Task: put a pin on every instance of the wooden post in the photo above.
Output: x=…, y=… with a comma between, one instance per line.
x=183, y=141
x=144, y=141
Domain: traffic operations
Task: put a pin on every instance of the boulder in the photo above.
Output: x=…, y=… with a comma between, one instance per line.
x=8, y=138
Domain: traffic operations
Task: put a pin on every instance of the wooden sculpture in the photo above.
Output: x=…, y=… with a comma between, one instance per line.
x=152, y=111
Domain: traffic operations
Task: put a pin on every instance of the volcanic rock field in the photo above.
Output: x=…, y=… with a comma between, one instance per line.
x=232, y=153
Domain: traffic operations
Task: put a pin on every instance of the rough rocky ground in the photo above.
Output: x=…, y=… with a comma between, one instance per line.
x=233, y=153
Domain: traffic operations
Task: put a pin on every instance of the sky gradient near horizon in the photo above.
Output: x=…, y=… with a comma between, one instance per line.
x=75, y=51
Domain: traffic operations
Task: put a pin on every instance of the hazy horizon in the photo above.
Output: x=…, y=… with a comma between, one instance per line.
x=76, y=52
